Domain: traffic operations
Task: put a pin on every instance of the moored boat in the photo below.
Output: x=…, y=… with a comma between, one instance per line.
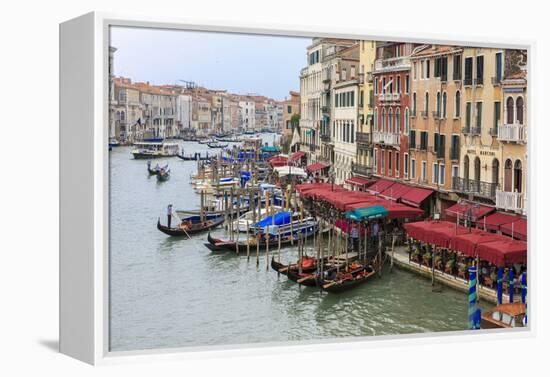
x=191, y=225
x=340, y=281
x=163, y=175
x=147, y=150
x=504, y=316
x=215, y=144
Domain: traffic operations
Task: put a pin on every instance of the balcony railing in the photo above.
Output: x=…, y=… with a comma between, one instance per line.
x=512, y=201
x=363, y=170
x=386, y=138
x=475, y=187
x=392, y=63
x=387, y=97
x=512, y=132
x=455, y=154
x=363, y=137
x=325, y=137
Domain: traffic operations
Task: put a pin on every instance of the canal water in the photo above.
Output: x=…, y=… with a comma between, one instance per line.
x=171, y=292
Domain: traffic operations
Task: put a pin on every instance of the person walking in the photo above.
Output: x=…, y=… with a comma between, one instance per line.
x=169, y=215
x=355, y=236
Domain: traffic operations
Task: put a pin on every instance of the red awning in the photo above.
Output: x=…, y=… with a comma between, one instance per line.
x=379, y=186
x=517, y=229
x=503, y=252
x=467, y=243
x=395, y=191
x=415, y=196
x=340, y=201
x=434, y=232
x=495, y=220
x=278, y=161
x=297, y=155
x=463, y=210
x=315, y=167
x=358, y=181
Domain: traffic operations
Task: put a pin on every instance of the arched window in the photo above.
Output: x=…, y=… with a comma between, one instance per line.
x=390, y=123
x=508, y=175
x=375, y=119
x=466, y=168
x=510, y=110
x=407, y=120
x=438, y=104
x=426, y=103
x=519, y=110
x=477, y=174
x=444, y=105
x=397, y=121
x=457, y=104
x=414, y=103
x=383, y=129
x=517, y=176
x=495, y=169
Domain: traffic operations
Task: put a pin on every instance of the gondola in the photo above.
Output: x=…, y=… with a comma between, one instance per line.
x=216, y=244
x=163, y=175
x=307, y=277
x=194, y=225
x=347, y=280
x=216, y=145
x=196, y=157
x=156, y=169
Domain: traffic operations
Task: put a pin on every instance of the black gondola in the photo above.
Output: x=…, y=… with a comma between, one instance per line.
x=216, y=145
x=195, y=157
x=194, y=225
x=216, y=244
x=346, y=280
x=307, y=277
x=163, y=175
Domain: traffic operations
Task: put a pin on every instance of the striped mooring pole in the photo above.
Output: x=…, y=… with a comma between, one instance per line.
x=500, y=278
x=523, y=287
x=511, y=284
x=473, y=314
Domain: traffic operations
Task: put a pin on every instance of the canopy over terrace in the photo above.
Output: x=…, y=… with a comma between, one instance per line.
x=517, y=229
x=379, y=186
x=395, y=191
x=279, y=160
x=495, y=220
x=312, y=168
x=503, y=252
x=415, y=196
x=437, y=233
x=283, y=171
x=359, y=181
x=469, y=211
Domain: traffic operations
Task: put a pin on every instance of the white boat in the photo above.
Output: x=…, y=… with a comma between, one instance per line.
x=241, y=224
x=147, y=150
x=212, y=187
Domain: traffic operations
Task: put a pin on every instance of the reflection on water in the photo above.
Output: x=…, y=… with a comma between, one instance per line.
x=170, y=292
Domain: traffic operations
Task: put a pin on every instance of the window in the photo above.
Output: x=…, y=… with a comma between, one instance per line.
x=383, y=85
x=375, y=119
x=437, y=67
x=389, y=163
x=352, y=132
x=426, y=103
x=397, y=121
x=391, y=85
x=414, y=71
x=454, y=171
x=457, y=67
x=361, y=98
x=509, y=110
x=496, y=117
x=441, y=146
x=479, y=114
x=427, y=69
x=398, y=84
x=498, y=67
x=444, y=63
x=407, y=84
x=455, y=145
x=289, y=109
x=468, y=115
x=352, y=102
x=383, y=129
x=414, y=104
x=376, y=85
x=438, y=104
x=382, y=161
x=435, y=173
x=390, y=125
x=444, y=104
x=442, y=174
x=397, y=164
x=412, y=139
x=479, y=70
x=519, y=110
x=407, y=124
x=457, y=104
x=436, y=141
x=422, y=69
x=423, y=173
x=413, y=168
x=406, y=165
x=468, y=74
x=423, y=140
x=375, y=159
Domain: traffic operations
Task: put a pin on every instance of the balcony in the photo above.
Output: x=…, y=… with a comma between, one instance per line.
x=392, y=64
x=363, y=138
x=387, y=138
x=515, y=133
x=512, y=201
x=361, y=78
x=389, y=97
x=363, y=170
x=477, y=188
x=455, y=154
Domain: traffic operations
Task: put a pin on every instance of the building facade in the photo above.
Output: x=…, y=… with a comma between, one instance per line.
x=344, y=126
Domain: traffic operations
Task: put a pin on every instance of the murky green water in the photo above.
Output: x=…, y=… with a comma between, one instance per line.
x=168, y=292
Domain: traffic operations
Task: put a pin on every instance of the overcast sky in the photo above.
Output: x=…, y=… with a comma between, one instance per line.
x=240, y=63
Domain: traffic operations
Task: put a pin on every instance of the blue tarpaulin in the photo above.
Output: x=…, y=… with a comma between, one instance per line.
x=281, y=218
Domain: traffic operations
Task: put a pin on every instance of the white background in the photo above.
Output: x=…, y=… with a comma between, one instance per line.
x=29, y=185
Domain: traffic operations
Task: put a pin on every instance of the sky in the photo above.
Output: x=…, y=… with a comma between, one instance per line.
x=239, y=63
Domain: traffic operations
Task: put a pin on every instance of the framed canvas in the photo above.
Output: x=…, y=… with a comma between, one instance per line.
x=235, y=188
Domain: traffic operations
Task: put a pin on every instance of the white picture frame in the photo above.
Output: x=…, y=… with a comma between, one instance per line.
x=84, y=207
